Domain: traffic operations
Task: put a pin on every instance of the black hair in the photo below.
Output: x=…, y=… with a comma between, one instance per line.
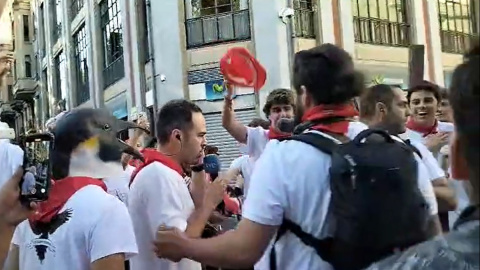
x=328, y=74
x=378, y=93
x=175, y=114
x=259, y=122
x=425, y=86
x=464, y=98
x=279, y=96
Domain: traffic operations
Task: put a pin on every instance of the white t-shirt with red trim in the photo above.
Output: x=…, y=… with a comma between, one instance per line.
x=287, y=184
x=92, y=225
x=158, y=196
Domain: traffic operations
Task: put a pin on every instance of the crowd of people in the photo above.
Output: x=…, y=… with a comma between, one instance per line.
x=149, y=203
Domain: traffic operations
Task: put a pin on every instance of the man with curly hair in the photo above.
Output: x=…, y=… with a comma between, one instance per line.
x=280, y=105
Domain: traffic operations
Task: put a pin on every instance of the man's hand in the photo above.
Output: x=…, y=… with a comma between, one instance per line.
x=12, y=212
x=230, y=90
x=435, y=141
x=171, y=244
x=214, y=193
x=143, y=123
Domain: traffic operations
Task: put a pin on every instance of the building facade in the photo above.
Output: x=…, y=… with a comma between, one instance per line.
x=19, y=96
x=133, y=55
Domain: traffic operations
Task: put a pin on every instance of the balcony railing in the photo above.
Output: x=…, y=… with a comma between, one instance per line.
x=304, y=23
x=76, y=6
x=456, y=42
x=381, y=32
x=218, y=28
x=83, y=92
x=113, y=72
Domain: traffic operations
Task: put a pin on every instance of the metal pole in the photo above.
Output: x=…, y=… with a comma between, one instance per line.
x=290, y=35
x=152, y=59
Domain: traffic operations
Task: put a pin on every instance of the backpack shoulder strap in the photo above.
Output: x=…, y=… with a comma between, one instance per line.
x=413, y=148
x=320, y=142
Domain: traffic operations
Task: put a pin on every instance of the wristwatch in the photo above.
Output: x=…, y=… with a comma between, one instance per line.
x=198, y=168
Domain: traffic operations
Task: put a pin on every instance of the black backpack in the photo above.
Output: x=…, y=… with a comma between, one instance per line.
x=376, y=205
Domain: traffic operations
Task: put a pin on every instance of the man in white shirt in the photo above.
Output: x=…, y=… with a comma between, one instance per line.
x=80, y=226
x=385, y=107
x=159, y=195
x=290, y=180
x=244, y=164
x=280, y=104
x=423, y=127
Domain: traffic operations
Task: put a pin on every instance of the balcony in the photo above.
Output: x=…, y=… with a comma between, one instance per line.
x=457, y=42
x=114, y=72
x=381, y=32
x=219, y=28
x=24, y=88
x=304, y=23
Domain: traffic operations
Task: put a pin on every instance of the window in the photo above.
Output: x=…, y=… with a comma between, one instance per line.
x=10, y=92
x=304, y=19
x=111, y=22
x=46, y=94
x=13, y=35
x=60, y=78
x=76, y=6
x=26, y=28
x=143, y=13
x=57, y=18
x=216, y=21
x=28, y=66
x=457, y=24
x=41, y=22
x=212, y=7
x=81, y=66
x=381, y=22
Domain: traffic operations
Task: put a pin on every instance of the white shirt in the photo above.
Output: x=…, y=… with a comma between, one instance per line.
x=301, y=193
x=417, y=136
x=118, y=186
x=12, y=158
x=98, y=225
x=158, y=196
x=244, y=164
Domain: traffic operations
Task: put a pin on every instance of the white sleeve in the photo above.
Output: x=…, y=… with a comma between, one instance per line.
x=425, y=186
x=257, y=138
x=434, y=170
x=17, y=238
x=266, y=198
x=113, y=233
x=163, y=203
x=237, y=163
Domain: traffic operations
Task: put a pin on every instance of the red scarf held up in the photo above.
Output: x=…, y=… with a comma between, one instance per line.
x=152, y=155
x=324, y=112
x=412, y=125
x=61, y=192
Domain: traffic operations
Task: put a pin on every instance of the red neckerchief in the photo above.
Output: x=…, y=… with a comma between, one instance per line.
x=421, y=129
x=324, y=112
x=61, y=192
x=152, y=155
x=275, y=134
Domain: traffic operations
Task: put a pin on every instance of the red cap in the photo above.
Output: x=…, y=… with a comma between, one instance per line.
x=240, y=68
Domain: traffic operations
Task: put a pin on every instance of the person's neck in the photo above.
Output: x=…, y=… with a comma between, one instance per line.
x=170, y=151
x=429, y=123
x=372, y=123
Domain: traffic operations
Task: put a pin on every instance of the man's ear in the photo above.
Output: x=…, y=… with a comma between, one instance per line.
x=381, y=108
